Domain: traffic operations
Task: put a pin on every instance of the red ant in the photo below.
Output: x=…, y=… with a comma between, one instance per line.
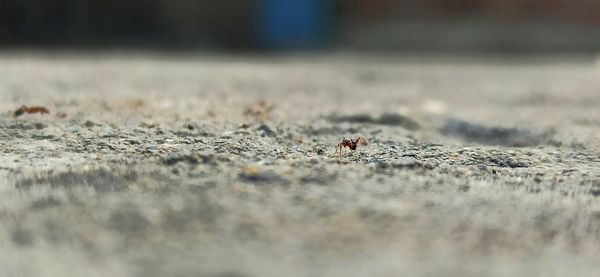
x=350, y=143
x=34, y=109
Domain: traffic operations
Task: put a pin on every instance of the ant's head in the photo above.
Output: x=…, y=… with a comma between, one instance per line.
x=345, y=139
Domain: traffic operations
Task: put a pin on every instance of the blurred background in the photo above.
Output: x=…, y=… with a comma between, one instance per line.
x=373, y=25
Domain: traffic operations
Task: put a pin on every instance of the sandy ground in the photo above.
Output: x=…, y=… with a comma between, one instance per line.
x=153, y=165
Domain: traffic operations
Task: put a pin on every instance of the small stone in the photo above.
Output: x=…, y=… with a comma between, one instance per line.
x=89, y=124
x=265, y=130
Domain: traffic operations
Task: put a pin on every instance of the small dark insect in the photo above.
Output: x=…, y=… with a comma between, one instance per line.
x=350, y=143
x=34, y=109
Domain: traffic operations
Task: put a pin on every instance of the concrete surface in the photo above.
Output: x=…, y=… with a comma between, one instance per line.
x=157, y=165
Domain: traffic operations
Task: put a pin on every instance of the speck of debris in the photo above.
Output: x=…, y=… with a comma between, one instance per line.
x=319, y=150
x=89, y=124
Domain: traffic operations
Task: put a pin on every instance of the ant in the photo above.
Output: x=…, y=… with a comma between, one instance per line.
x=33, y=109
x=350, y=143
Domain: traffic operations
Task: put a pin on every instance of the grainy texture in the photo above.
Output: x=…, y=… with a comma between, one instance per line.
x=153, y=166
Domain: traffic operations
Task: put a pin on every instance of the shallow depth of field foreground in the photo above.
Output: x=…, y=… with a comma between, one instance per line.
x=203, y=166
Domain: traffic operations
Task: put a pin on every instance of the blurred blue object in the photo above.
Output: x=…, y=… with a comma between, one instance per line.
x=294, y=23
